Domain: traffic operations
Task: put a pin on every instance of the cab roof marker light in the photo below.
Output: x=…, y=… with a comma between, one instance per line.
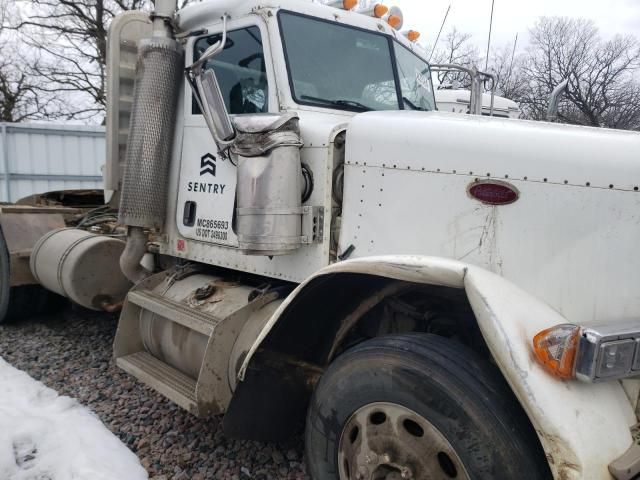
x=377, y=10
x=343, y=4
x=394, y=18
x=380, y=10
x=412, y=35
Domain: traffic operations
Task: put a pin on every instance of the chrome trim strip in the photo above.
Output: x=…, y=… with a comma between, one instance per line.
x=598, y=341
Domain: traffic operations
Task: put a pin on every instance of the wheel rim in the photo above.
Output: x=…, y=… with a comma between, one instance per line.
x=386, y=441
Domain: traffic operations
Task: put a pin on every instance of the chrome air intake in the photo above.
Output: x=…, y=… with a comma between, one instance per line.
x=269, y=198
x=149, y=148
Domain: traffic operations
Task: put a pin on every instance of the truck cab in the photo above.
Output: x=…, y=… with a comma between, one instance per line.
x=296, y=58
x=425, y=294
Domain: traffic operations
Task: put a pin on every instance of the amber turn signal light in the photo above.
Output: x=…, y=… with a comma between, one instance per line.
x=556, y=349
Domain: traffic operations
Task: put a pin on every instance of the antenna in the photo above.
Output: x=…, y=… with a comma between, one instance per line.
x=440, y=32
x=513, y=55
x=486, y=65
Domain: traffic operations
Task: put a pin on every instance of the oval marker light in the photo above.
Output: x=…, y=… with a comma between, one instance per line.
x=556, y=349
x=493, y=192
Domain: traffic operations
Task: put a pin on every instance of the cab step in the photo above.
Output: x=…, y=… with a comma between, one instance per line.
x=174, y=311
x=177, y=331
x=170, y=382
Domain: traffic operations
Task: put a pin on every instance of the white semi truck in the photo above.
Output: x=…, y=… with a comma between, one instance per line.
x=458, y=100
x=474, y=100
x=310, y=245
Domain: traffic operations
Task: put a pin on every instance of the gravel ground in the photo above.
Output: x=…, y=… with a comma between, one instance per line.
x=71, y=353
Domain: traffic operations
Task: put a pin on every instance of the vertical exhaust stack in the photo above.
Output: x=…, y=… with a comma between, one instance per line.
x=149, y=148
x=554, y=100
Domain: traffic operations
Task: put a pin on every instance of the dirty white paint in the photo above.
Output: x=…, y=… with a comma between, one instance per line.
x=406, y=182
x=582, y=427
x=567, y=244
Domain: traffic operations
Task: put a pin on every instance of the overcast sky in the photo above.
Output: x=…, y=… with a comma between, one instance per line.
x=514, y=16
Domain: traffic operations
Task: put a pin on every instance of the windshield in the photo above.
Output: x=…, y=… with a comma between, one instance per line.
x=346, y=68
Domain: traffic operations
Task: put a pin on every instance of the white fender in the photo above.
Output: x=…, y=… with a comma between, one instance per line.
x=582, y=427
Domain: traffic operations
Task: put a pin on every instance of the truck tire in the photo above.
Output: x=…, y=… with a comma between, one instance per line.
x=418, y=406
x=23, y=301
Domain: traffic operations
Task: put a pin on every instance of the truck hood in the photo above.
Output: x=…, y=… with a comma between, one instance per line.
x=568, y=239
x=498, y=148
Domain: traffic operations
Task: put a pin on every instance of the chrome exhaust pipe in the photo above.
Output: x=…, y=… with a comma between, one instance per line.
x=150, y=144
x=132, y=255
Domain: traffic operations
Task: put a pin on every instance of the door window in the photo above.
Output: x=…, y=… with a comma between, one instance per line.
x=240, y=69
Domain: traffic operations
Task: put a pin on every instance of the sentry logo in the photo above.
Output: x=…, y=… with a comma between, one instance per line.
x=208, y=165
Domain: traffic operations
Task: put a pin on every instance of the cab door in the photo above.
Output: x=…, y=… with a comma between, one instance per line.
x=207, y=187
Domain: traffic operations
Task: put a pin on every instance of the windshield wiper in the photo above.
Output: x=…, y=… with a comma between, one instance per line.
x=339, y=103
x=412, y=105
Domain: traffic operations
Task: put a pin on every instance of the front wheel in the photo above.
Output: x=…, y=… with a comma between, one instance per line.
x=418, y=407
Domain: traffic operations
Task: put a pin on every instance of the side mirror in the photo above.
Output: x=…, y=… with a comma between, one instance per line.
x=206, y=90
x=213, y=107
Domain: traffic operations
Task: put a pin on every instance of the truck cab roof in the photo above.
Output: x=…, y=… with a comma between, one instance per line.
x=195, y=16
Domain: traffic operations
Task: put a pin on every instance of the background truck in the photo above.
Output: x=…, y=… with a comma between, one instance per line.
x=302, y=242
x=473, y=100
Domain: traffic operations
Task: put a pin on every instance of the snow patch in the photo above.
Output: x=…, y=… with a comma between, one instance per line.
x=45, y=436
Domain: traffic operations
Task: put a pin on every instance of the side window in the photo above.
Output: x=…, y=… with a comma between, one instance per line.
x=415, y=80
x=240, y=69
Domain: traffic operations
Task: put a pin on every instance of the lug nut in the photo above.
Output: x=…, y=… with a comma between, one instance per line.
x=371, y=458
x=362, y=473
x=406, y=473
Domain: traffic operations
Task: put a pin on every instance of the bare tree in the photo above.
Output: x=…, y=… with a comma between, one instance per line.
x=507, y=66
x=71, y=36
x=600, y=73
x=624, y=112
x=21, y=95
x=457, y=48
